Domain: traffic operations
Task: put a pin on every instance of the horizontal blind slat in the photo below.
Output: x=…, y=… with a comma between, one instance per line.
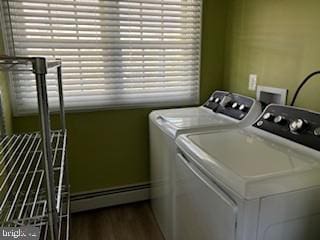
x=107, y=3
x=118, y=43
x=112, y=45
x=103, y=23
x=154, y=100
x=39, y=36
x=79, y=30
x=100, y=11
x=112, y=86
x=97, y=82
x=114, y=53
x=125, y=65
x=129, y=71
x=105, y=92
x=106, y=17
x=136, y=75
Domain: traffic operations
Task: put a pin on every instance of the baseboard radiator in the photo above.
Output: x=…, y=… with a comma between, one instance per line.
x=109, y=197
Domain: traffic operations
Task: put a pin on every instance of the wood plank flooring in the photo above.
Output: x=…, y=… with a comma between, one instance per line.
x=126, y=222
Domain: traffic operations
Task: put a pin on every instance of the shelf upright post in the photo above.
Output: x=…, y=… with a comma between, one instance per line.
x=61, y=101
x=63, y=127
x=40, y=70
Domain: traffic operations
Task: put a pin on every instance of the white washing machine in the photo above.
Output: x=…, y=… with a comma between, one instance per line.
x=222, y=110
x=257, y=183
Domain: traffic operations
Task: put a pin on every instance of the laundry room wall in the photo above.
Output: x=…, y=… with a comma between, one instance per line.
x=278, y=41
x=5, y=97
x=110, y=148
x=213, y=46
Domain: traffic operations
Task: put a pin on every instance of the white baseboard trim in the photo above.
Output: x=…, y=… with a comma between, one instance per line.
x=109, y=197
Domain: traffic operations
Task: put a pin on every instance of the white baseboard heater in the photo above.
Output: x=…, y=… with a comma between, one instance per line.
x=102, y=198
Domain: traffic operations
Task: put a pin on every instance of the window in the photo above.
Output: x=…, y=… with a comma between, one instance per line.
x=114, y=52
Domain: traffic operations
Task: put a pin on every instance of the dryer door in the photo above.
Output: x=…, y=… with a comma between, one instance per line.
x=203, y=210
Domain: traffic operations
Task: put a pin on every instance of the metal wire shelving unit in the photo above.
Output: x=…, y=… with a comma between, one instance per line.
x=34, y=182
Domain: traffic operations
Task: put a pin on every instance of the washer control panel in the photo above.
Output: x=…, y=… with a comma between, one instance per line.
x=298, y=125
x=232, y=105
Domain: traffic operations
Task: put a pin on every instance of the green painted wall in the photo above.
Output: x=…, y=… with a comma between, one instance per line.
x=213, y=46
x=105, y=148
x=4, y=87
x=110, y=148
x=279, y=41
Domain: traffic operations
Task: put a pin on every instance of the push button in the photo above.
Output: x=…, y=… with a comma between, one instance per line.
x=260, y=123
x=317, y=132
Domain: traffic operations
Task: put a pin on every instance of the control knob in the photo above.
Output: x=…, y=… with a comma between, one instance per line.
x=242, y=107
x=235, y=105
x=217, y=100
x=297, y=125
x=317, y=132
x=268, y=116
x=279, y=119
x=226, y=101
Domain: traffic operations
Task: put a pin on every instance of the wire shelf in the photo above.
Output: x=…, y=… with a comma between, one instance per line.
x=34, y=184
x=23, y=199
x=24, y=63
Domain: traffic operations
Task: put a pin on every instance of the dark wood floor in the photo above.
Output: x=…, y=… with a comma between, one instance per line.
x=127, y=222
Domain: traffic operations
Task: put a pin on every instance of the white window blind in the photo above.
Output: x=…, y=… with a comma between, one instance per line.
x=114, y=52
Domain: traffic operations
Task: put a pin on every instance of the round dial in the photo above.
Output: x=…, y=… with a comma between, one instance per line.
x=234, y=105
x=279, y=119
x=297, y=125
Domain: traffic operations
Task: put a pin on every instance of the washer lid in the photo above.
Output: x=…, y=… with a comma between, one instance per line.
x=183, y=119
x=191, y=117
x=253, y=165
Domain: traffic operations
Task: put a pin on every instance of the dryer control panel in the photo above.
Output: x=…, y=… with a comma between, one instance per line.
x=298, y=125
x=230, y=104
